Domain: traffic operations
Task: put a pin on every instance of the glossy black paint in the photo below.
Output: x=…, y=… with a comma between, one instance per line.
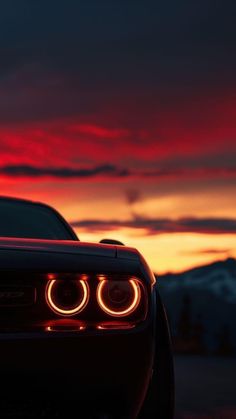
x=106, y=370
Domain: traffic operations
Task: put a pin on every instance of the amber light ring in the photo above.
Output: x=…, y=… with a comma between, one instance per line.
x=119, y=313
x=62, y=311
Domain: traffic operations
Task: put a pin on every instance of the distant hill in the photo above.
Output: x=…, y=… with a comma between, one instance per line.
x=201, y=305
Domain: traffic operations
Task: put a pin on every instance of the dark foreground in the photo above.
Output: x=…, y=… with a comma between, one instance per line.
x=205, y=387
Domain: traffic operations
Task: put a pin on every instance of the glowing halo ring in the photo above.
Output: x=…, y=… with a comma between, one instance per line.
x=122, y=313
x=64, y=312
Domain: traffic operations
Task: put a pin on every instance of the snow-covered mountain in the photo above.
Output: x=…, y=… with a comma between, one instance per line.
x=219, y=278
x=211, y=290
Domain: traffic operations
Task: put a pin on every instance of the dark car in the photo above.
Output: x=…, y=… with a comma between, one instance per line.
x=83, y=332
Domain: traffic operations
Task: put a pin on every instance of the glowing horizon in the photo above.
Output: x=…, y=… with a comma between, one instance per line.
x=124, y=119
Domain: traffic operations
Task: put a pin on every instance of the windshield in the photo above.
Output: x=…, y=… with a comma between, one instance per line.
x=26, y=220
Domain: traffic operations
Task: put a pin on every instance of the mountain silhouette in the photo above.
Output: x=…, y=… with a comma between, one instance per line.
x=211, y=292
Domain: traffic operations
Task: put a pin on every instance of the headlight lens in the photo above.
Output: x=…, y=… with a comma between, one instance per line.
x=118, y=298
x=67, y=297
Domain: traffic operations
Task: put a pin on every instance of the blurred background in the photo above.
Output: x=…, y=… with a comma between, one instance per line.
x=201, y=309
x=122, y=115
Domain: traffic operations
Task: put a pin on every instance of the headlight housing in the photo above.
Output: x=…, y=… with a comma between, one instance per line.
x=118, y=298
x=67, y=297
x=100, y=301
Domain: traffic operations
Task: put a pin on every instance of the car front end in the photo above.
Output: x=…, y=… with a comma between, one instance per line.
x=77, y=326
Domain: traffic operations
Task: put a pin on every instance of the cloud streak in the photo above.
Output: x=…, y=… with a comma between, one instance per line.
x=111, y=171
x=18, y=171
x=209, y=252
x=153, y=226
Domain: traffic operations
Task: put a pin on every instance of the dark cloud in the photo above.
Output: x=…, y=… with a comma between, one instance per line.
x=31, y=171
x=98, y=49
x=110, y=170
x=162, y=71
x=209, y=252
x=133, y=196
x=153, y=226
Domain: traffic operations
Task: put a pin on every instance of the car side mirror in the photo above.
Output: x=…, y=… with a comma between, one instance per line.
x=111, y=241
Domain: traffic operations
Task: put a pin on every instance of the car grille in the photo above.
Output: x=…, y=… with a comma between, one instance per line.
x=15, y=296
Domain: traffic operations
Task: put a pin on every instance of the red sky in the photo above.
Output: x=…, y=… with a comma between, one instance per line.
x=124, y=119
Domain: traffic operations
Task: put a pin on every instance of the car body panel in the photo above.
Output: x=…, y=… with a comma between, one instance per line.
x=60, y=246
x=111, y=369
x=106, y=370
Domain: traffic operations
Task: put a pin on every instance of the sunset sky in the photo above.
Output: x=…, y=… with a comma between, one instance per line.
x=122, y=115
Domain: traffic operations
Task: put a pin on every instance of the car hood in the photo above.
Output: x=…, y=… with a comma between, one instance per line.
x=68, y=246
